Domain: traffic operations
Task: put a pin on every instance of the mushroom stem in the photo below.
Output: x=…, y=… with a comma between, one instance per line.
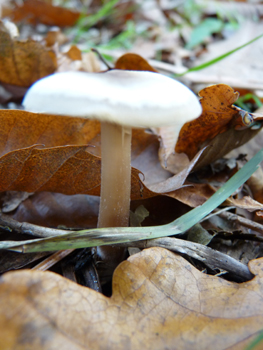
x=115, y=178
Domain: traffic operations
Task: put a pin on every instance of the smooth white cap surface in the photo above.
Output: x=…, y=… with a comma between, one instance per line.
x=130, y=98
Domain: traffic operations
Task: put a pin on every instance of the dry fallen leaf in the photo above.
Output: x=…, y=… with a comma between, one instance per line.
x=54, y=153
x=158, y=300
x=20, y=129
x=50, y=209
x=216, y=101
x=68, y=169
x=221, y=127
x=35, y=11
x=14, y=261
x=23, y=62
x=132, y=61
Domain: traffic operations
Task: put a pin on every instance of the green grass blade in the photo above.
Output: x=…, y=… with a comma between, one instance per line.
x=255, y=342
x=86, y=22
x=107, y=236
x=189, y=219
x=219, y=58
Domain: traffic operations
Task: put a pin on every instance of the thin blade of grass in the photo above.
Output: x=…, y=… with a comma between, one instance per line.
x=219, y=58
x=86, y=22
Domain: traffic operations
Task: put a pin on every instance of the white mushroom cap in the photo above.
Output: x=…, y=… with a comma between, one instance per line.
x=130, y=98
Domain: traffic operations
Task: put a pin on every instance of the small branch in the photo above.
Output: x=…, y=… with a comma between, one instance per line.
x=101, y=58
x=9, y=224
x=52, y=260
x=243, y=221
x=200, y=252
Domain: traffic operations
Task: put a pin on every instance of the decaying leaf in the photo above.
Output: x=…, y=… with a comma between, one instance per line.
x=223, y=143
x=158, y=300
x=35, y=11
x=132, y=61
x=216, y=101
x=13, y=261
x=50, y=209
x=68, y=169
x=23, y=62
x=194, y=195
x=221, y=127
x=50, y=165
x=20, y=129
x=245, y=203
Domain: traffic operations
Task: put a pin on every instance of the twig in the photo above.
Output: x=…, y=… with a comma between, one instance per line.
x=200, y=252
x=52, y=260
x=9, y=224
x=101, y=58
x=243, y=221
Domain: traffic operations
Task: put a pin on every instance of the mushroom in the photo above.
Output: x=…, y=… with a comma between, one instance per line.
x=121, y=100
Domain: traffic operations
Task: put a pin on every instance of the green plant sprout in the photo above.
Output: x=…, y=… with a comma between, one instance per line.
x=86, y=22
x=241, y=102
x=123, y=40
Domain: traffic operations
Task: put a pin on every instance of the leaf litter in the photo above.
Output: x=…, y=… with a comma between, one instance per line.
x=149, y=305
x=46, y=137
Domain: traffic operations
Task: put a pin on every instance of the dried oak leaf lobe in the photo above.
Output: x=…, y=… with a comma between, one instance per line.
x=159, y=300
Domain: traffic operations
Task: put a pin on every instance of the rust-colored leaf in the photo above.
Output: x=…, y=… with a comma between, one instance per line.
x=20, y=129
x=36, y=155
x=35, y=11
x=193, y=195
x=158, y=300
x=65, y=169
x=74, y=53
x=132, y=61
x=221, y=127
x=23, y=62
x=217, y=113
